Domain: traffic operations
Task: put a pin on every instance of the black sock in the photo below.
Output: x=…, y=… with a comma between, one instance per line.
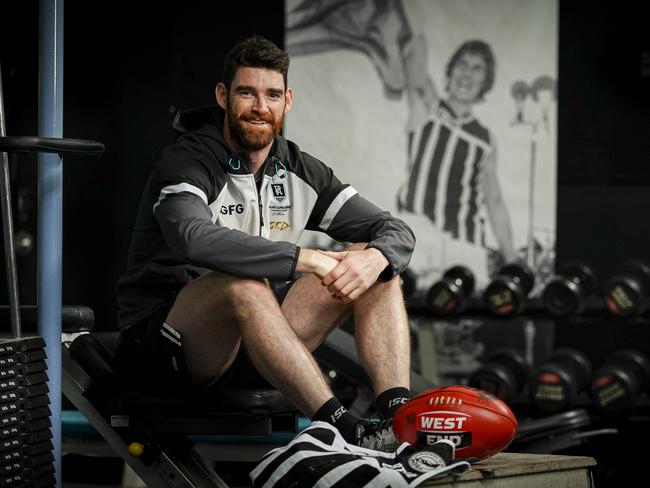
x=389, y=401
x=337, y=415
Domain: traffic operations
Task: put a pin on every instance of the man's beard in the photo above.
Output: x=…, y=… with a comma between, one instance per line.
x=250, y=138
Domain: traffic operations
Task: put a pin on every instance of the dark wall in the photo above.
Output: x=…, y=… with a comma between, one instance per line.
x=127, y=70
x=604, y=134
x=18, y=50
x=604, y=90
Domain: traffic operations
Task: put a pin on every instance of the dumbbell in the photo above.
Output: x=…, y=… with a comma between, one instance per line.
x=507, y=294
x=625, y=292
x=503, y=374
x=617, y=384
x=555, y=385
x=567, y=292
x=449, y=295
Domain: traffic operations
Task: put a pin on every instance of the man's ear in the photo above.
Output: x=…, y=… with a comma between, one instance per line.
x=221, y=93
x=289, y=100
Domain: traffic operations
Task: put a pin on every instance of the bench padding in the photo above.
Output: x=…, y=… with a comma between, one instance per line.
x=95, y=353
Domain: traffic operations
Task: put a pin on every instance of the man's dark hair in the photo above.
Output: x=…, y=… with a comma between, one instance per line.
x=482, y=49
x=254, y=52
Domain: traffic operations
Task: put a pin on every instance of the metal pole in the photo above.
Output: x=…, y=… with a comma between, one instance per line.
x=531, y=206
x=50, y=202
x=8, y=228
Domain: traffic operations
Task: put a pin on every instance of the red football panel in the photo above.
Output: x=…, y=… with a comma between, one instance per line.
x=476, y=422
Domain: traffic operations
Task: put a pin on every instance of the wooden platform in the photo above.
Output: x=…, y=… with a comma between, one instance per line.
x=513, y=470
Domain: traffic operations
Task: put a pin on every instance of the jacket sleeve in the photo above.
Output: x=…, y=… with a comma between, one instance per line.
x=345, y=216
x=358, y=220
x=185, y=222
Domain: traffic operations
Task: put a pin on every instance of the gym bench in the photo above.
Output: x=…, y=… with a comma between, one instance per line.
x=152, y=433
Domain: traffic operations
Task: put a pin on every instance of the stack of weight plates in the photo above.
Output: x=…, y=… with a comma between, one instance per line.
x=26, y=458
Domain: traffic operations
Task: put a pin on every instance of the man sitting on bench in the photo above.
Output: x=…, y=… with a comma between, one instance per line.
x=216, y=230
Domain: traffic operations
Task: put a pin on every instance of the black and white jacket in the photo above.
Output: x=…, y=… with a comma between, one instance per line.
x=320, y=457
x=203, y=210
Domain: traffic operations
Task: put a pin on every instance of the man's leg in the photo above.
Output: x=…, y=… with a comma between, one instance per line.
x=215, y=312
x=381, y=331
x=383, y=342
x=312, y=311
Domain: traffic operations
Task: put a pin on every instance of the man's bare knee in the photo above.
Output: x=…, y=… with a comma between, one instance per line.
x=381, y=293
x=245, y=291
x=215, y=284
x=214, y=295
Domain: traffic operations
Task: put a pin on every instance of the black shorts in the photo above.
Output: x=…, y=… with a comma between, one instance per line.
x=150, y=356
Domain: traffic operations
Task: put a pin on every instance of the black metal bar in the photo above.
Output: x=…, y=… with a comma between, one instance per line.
x=50, y=145
x=8, y=228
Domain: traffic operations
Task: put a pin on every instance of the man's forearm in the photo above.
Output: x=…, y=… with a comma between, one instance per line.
x=361, y=221
x=186, y=226
x=315, y=262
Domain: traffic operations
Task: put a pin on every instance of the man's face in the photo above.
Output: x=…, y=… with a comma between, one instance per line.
x=467, y=77
x=255, y=106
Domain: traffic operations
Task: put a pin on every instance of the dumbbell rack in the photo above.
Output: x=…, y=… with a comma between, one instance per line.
x=26, y=449
x=595, y=332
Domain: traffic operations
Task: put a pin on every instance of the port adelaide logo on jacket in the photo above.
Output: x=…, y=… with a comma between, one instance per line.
x=279, y=192
x=280, y=203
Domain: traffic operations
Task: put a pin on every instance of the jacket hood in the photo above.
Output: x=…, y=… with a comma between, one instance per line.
x=190, y=119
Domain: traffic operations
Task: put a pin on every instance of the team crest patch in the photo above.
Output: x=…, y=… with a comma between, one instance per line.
x=424, y=461
x=279, y=192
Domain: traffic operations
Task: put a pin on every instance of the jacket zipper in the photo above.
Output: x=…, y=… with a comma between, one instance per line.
x=259, y=195
x=259, y=201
